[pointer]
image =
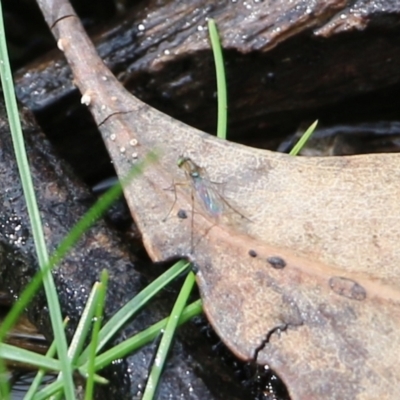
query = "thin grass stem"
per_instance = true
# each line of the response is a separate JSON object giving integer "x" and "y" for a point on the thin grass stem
{"x": 304, "y": 138}
{"x": 167, "y": 337}
{"x": 34, "y": 215}
{"x": 221, "y": 80}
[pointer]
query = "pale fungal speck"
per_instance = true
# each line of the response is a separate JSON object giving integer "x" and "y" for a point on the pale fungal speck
{"x": 86, "y": 99}
{"x": 134, "y": 155}
{"x": 133, "y": 142}
{"x": 112, "y": 136}
{"x": 104, "y": 78}
{"x": 103, "y": 107}
{"x": 60, "y": 44}
{"x": 122, "y": 149}
{"x": 113, "y": 98}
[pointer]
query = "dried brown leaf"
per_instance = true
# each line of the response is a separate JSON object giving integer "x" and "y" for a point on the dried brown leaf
{"x": 308, "y": 281}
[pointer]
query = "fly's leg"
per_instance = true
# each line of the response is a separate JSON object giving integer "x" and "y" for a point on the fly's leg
{"x": 173, "y": 187}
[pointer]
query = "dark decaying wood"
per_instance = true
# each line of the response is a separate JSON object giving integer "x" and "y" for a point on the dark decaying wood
{"x": 286, "y": 62}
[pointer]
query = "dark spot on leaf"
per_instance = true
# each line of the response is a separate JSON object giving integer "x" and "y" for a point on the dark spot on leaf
{"x": 182, "y": 214}
{"x": 277, "y": 262}
{"x": 252, "y": 253}
{"x": 347, "y": 288}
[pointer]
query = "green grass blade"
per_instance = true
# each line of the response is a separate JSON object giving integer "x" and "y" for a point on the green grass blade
{"x": 82, "y": 330}
{"x": 126, "y": 312}
{"x": 95, "y": 336}
{"x": 54, "y": 388}
{"x": 303, "y": 140}
{"x": 12, "y": 353}
{"x": 51, "y": 390}
{"x": 142, "y": 338}
{"x": 221, "y": 80}
{"x": 34, "y": 387}
{"x": 4, "y": 378}
{"x": 33, "y": 211}
{"x": 85, "y": 322}
{"x": 126, "y": 347}
{"x": 168, "y": 335}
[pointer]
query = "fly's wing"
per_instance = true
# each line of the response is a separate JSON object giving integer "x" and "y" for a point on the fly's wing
{"x": 213, "y": 202}
{"x": 209, "y": 197}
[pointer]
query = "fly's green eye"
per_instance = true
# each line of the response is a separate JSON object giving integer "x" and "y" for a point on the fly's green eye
{"x": 182, "y": 160}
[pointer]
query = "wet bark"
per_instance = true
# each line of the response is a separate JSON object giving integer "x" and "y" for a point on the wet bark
{"x": 286, "y": 63}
